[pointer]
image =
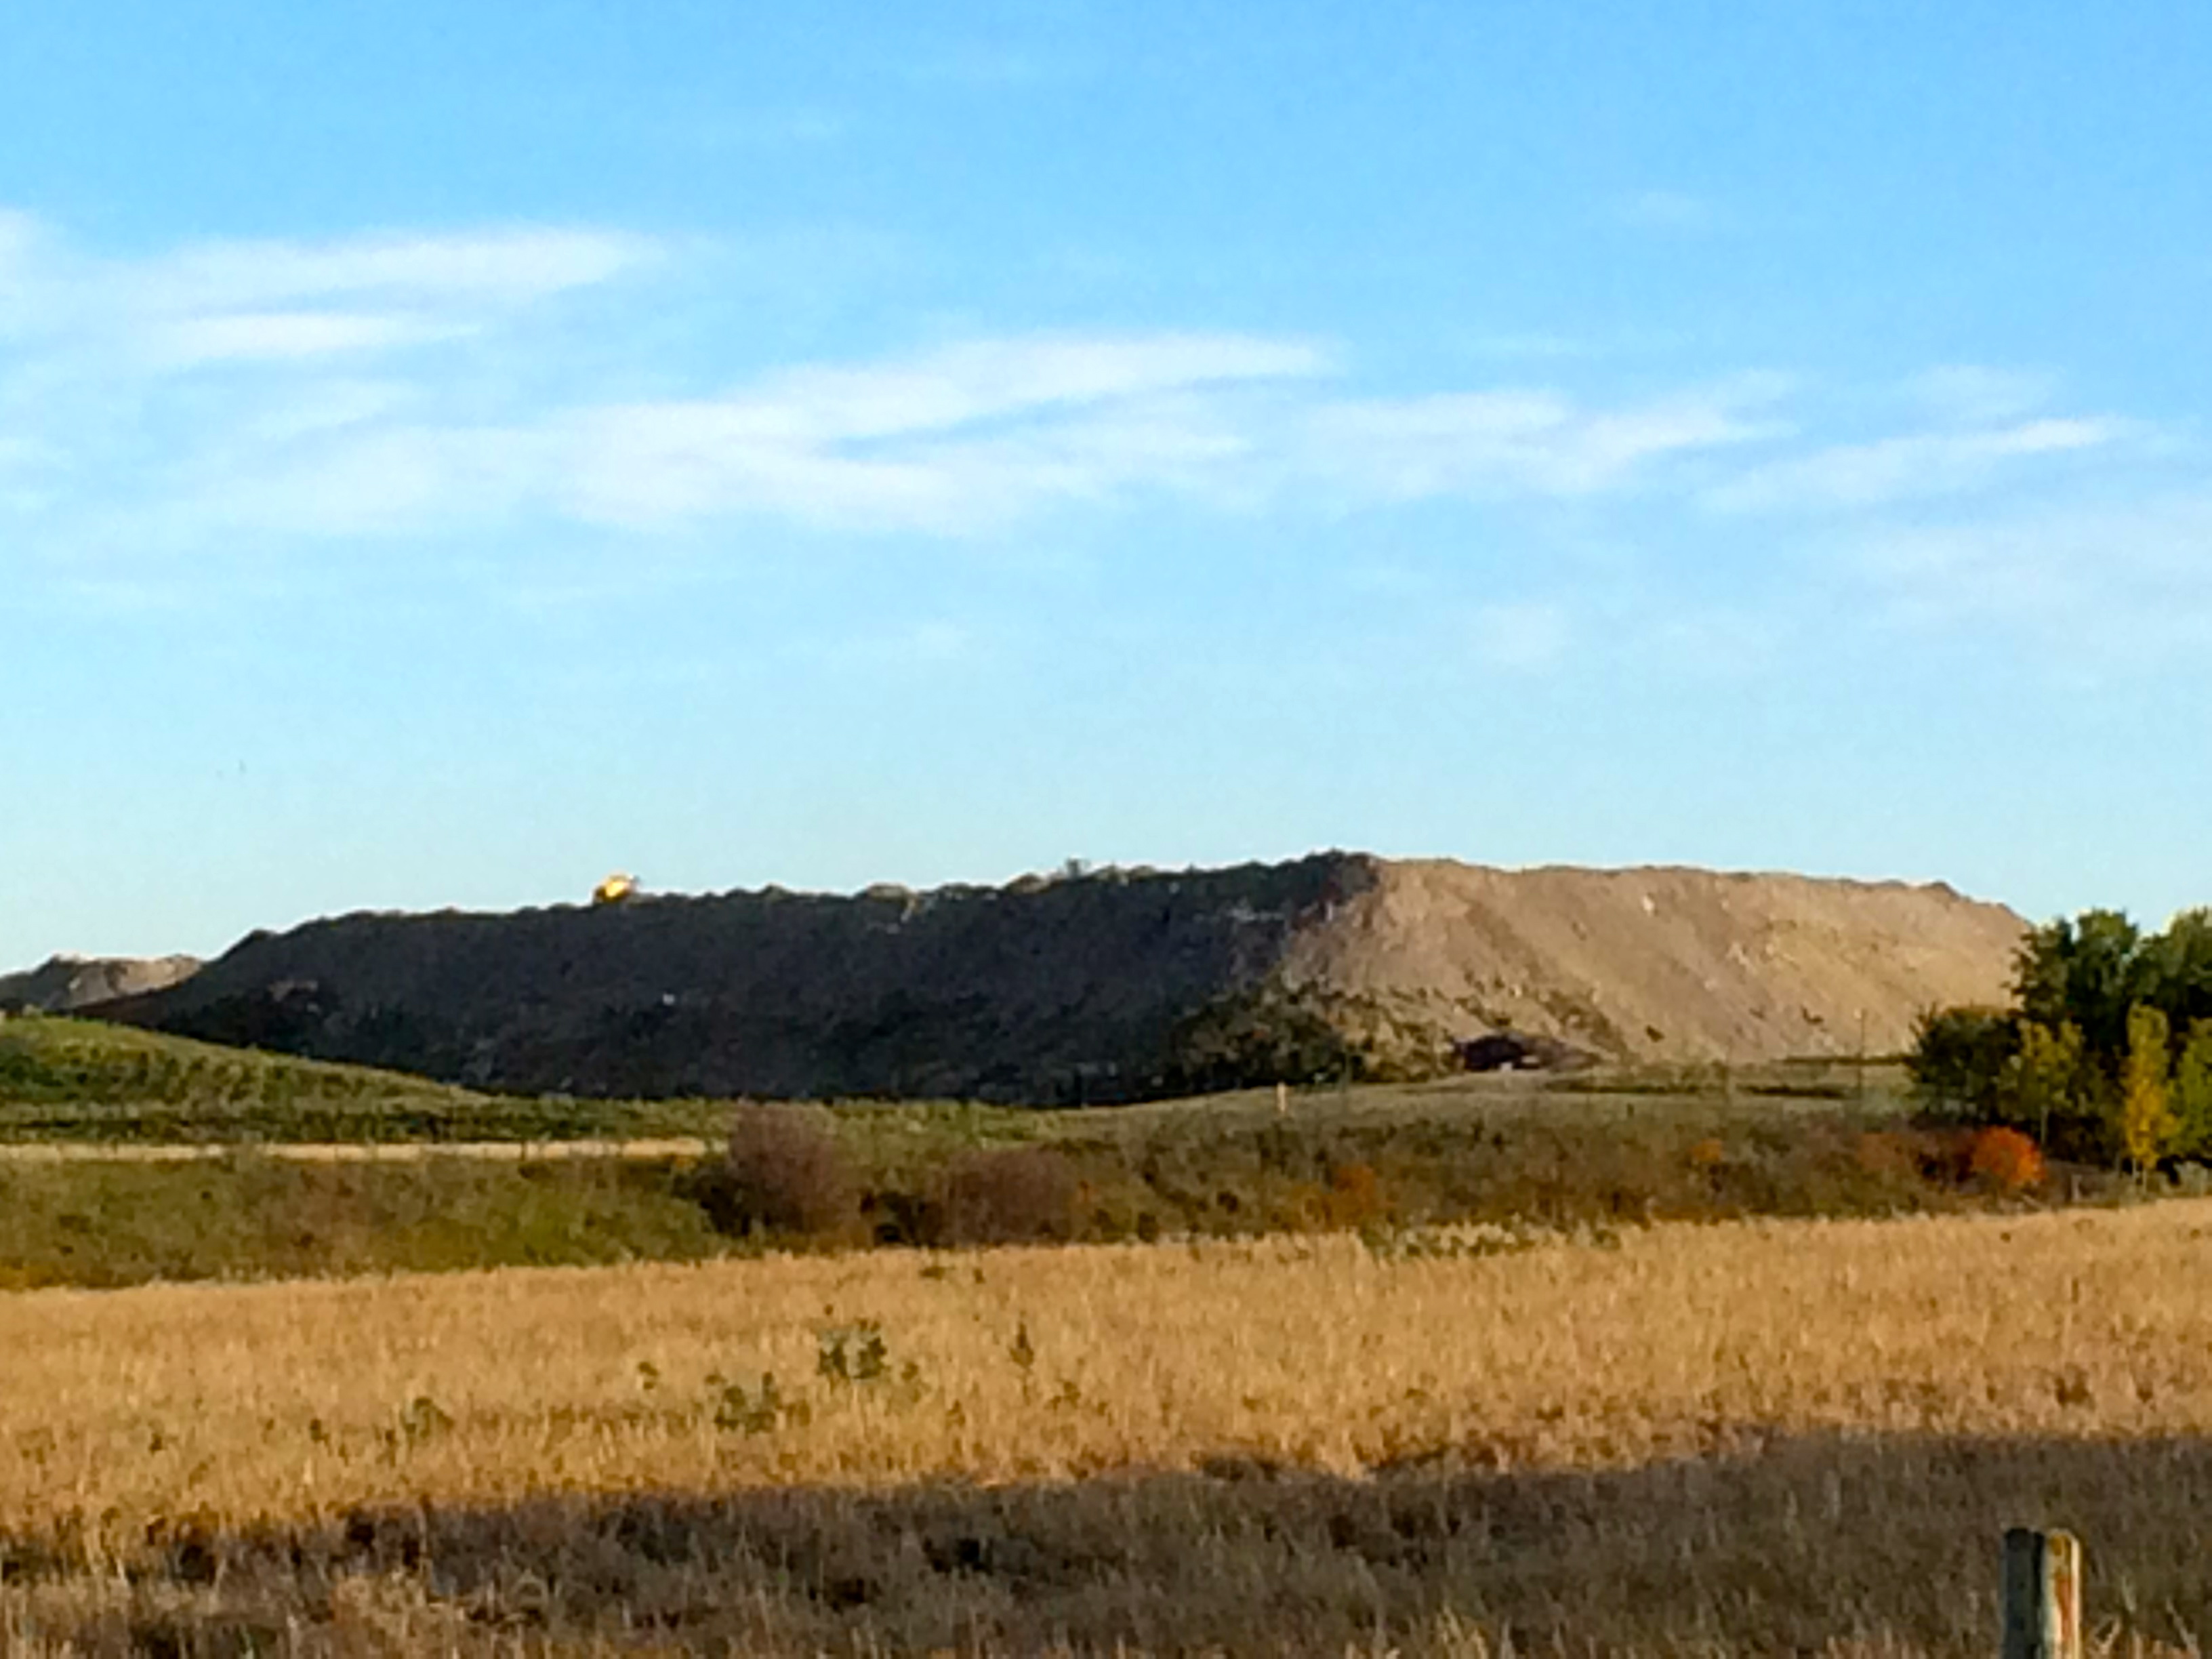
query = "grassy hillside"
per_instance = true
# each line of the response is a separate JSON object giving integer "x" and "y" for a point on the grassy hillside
{"x": 64, "y": 1079}
{"x": 1559, "y": 1154}
{"x": 48, "y": 1059}
{"x": 1390, "y": 1165}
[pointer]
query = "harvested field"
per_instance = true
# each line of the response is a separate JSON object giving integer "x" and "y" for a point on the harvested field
{"x": 1757, "y": 1437}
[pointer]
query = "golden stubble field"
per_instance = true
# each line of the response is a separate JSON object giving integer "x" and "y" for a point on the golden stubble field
{"x": 1743, "y": 1438}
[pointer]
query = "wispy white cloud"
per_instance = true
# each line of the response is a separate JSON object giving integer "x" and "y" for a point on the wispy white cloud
{"x": 931, "y": 643}
{"x": 119, "y": 597}
{"x": 270, "y": 393}
{"x": 375, "y": 479}
{"x": 1707, "y": 640}
{"x": 975, "y": 433}
{"x": 1915, "y": 466}
{"x": 956, "y": 438}
{"x": 982, "y": 66}
{"x": 499, "y": 266}
{"x": 20, "y": 236}
{"x": 1527, "y": 346}
{"x": 148, "y": 401}
{"x": 1523, "y": 636}
{"x": 1975, "y": 395}
{"x": 767, "y": 129}
{"x": 221, "y": 302}
{"x": 1528, "y": 442}
{"x": 984, "y": 380}
{"x": 2128, "y": 582}
{"x": 1675, "y": 210}
{"x": 261, "y": 336}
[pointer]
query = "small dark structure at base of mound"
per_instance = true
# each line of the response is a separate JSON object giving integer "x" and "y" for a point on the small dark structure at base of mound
{"x": 1513, "y": 1051}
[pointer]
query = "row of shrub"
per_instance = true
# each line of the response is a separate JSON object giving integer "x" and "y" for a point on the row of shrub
{"x": 787, "y": 1176}
{"x": 2105, "y": 1053}
{"x": 797, "y": 1177}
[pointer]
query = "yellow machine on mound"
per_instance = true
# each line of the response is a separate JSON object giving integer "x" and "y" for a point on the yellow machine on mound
{"x": 615, "y": 889}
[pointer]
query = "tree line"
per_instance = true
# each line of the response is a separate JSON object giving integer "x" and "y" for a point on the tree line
{"x": 2106, "y": 1053}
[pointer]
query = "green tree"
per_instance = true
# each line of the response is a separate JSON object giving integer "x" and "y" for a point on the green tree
{"x": 2048, "y": 1079}
{"x": 2091, "y": 970}
{"x": 1959, "y": 1060}
{"x": 2178, "y": 969}
{"x": 2147, "y": 1124}
{"x": 2192, "y": 1094}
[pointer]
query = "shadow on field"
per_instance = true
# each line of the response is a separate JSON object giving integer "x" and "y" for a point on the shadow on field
{"x": 1766, "y": 1544}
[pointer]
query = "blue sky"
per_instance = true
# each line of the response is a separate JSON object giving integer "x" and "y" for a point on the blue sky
{"x": 449, "y": 452}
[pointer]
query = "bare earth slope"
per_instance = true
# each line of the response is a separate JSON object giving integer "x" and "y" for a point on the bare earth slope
{"x": 1114, "y": 985}
{"x": 1661, "y": 962}
{"x": 63, "y": 984}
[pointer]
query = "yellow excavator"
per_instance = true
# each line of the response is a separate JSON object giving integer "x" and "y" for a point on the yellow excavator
{"x": 615, "y": 889}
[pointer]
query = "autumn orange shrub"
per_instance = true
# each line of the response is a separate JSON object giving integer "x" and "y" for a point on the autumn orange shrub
{"x": 1352, "y": 1198}
{"x": 2006, "y": 1160}
{"x": 1355, "y": 1195}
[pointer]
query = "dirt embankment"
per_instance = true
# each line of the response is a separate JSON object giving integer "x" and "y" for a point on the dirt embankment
{"x": 1111, "y": 985}
{"x": 63, "y": 984}
{"x": 1661, "y": 963}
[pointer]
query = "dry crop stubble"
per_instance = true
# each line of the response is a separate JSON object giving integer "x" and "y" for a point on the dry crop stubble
{"x": 271, "y": 1402}
{"x": 1261, "y": 1409}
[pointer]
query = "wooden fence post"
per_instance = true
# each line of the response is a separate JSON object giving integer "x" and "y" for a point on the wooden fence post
{"x": 2042, "y": 1595}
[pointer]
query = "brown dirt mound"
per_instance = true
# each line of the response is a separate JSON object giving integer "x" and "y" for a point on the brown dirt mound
{"x": 1660, "y": 964}
{"x": 1112, "y": 985}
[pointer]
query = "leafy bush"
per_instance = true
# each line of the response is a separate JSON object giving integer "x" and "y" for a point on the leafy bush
{"x": 785, "y": 1173}
{"x": 2100, "y": 1055}
{"x": 2006, "y": 1160}
{"x": 2147, "y": 1126}
{"x": 1013, "y": 1195}
{"x": 1259, "y": 1037}
{"x": 1356, "y": 1198}
{"x": 2192, "y": 1093}
{"x": 1959, "y": 1058}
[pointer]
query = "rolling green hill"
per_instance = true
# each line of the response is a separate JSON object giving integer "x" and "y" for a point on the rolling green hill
{"x": 63, "y": 1079}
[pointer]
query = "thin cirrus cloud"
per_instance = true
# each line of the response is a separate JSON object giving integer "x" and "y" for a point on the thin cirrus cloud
{"x": 970, "y": 436}
{"x": 2126, "y": 583}
{"x": 262, "y": 336}
{"x": 311, "y": 388}
{"x": 1521, "y": 635}
{"x": 244, "y": 301}
{"x": 497, "y": 266}
{"x": 1543, "y": 443}
{"x": 954, "y": 438}
{"x": 1671, "y": 210}
{"x": 1976, "y": 395}
{"x": 1915, "y": 466}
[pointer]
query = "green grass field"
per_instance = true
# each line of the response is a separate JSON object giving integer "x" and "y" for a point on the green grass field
{"x": 127, "y": 1157}
{"x": 64, "y": 1080}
